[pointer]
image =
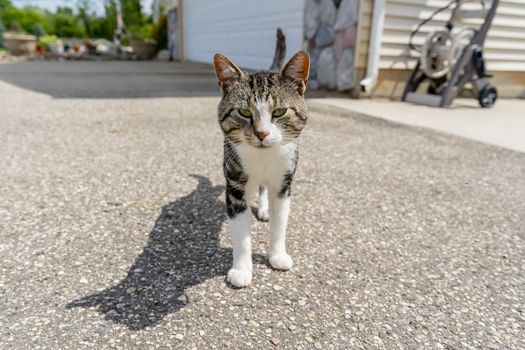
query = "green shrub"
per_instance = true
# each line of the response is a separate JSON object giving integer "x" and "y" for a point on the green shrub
{"x": 67, "y": 25}
{"x": 23, "y": 19}
{"x": 38, "y": 30}
{"x": 142, "y": 32}
{"x": 16, "y": 27}
{"x": 47, "y": 40}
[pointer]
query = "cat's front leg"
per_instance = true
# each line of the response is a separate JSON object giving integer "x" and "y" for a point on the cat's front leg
{"x": 240, "y": 275}
{"x": 262, "y": 212}
{"x": 279, "y": 209}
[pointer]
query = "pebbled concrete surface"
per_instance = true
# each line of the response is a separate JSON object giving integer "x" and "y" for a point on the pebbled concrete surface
{"x": 113, "y": 234}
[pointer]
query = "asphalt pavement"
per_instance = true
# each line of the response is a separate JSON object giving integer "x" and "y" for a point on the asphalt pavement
{"x": 113, "y": 231}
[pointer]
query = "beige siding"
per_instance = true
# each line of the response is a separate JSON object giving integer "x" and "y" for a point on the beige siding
{"x": 504, "y": 47}
{"x": 363, "y": 32}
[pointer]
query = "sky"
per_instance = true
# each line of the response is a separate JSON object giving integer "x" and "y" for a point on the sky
{"x": 52, "y": 4}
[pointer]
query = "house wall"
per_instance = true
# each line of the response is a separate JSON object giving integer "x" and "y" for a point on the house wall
{"x": 244, "y": 30}
{"x": 504, "y": 47}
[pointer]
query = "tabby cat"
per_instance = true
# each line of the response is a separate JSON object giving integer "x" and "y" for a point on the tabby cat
{"x": 261, "y": 116}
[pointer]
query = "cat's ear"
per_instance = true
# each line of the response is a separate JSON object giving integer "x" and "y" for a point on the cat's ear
{"x": 297, "y": 70}
{"x": 226, "y": 71}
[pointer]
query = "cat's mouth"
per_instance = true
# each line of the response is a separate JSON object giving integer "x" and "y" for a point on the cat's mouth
{"x": 261, "y": 144}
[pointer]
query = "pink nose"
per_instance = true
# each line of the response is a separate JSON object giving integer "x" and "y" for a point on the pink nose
{"x": 261, "y": 135}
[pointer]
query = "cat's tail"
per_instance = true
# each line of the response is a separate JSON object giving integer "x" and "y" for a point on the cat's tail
{"x": 280, "y": 51}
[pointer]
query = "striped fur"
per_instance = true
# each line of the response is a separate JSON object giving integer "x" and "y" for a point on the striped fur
{"x": 275, "y": 90}
{"x": 261, "y": 116}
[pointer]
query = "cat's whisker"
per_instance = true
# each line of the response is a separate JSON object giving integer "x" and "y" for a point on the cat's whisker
{"x": 229, "y": 158}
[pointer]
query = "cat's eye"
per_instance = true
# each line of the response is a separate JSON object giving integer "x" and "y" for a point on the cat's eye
{"x": 279, "y": 112}
{"x": 245, "y": 112}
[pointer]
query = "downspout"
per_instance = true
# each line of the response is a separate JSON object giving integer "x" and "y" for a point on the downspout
{"x": 372, "y": 70}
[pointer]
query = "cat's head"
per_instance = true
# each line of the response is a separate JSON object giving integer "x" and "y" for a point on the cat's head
{"x": 263, "y": 109}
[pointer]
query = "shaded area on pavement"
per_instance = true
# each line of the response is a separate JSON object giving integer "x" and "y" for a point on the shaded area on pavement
{"x": 183, "y": 250}
{"x": 112, "y": 79}
{"x": 120, "y": 79}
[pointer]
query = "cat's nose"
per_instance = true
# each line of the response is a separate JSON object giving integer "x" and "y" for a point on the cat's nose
{"x": 261, "y": 135}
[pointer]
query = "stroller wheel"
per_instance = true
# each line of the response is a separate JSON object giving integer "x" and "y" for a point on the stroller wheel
{"x": 487, "y": 96}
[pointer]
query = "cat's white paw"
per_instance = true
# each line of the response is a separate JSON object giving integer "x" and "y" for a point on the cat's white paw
{"x": 263, "y": 214}
{"x": 281, "y": 261}
{"x": 239, "y": 278}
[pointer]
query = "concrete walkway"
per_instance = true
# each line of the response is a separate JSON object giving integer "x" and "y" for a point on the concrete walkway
{"x": 113, "y": 232}
{"x": 503, "y": 125}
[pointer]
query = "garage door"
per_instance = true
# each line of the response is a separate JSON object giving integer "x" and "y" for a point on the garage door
{"x": 244, "y": 30}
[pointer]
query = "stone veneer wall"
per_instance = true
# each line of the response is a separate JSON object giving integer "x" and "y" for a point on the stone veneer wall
{"x": 330, "y": 30}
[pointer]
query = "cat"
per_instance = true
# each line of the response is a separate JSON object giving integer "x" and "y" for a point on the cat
{"x": 261, "y": 116}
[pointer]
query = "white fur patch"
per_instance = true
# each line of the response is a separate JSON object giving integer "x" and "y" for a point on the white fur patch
{"x": 279, "y": 210}
{"x": 240, "y": 275}
{"x": 263, "y": 123}
{"x": 265, "y": 167}
{"x": 262, "y": 212}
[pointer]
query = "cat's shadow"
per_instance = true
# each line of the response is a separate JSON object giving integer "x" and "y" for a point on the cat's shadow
{"x": 183, "y": 250}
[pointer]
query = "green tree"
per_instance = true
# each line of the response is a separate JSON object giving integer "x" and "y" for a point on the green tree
{"x": 14, "y": 26}
{"x": 66, "y": 24}
{"x": 99, "y": 28}
{"x": 85, "y": 13}
{"x": 65, "y": 9}
{"x": 4, "y": 5}
{"x": 80, "y": 21}
{"x": 106, "y": 26}
{"x": 27, "y": 17}
{"x": 131, "y": 13}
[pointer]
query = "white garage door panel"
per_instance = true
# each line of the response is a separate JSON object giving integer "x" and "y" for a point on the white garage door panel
{"x": 244, "y": 30}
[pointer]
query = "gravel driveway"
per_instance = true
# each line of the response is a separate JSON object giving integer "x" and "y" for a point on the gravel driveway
{"x": 113, "y": 233}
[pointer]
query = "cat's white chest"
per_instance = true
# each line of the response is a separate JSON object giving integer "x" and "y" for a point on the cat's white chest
{"x": 266, "y": 167}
